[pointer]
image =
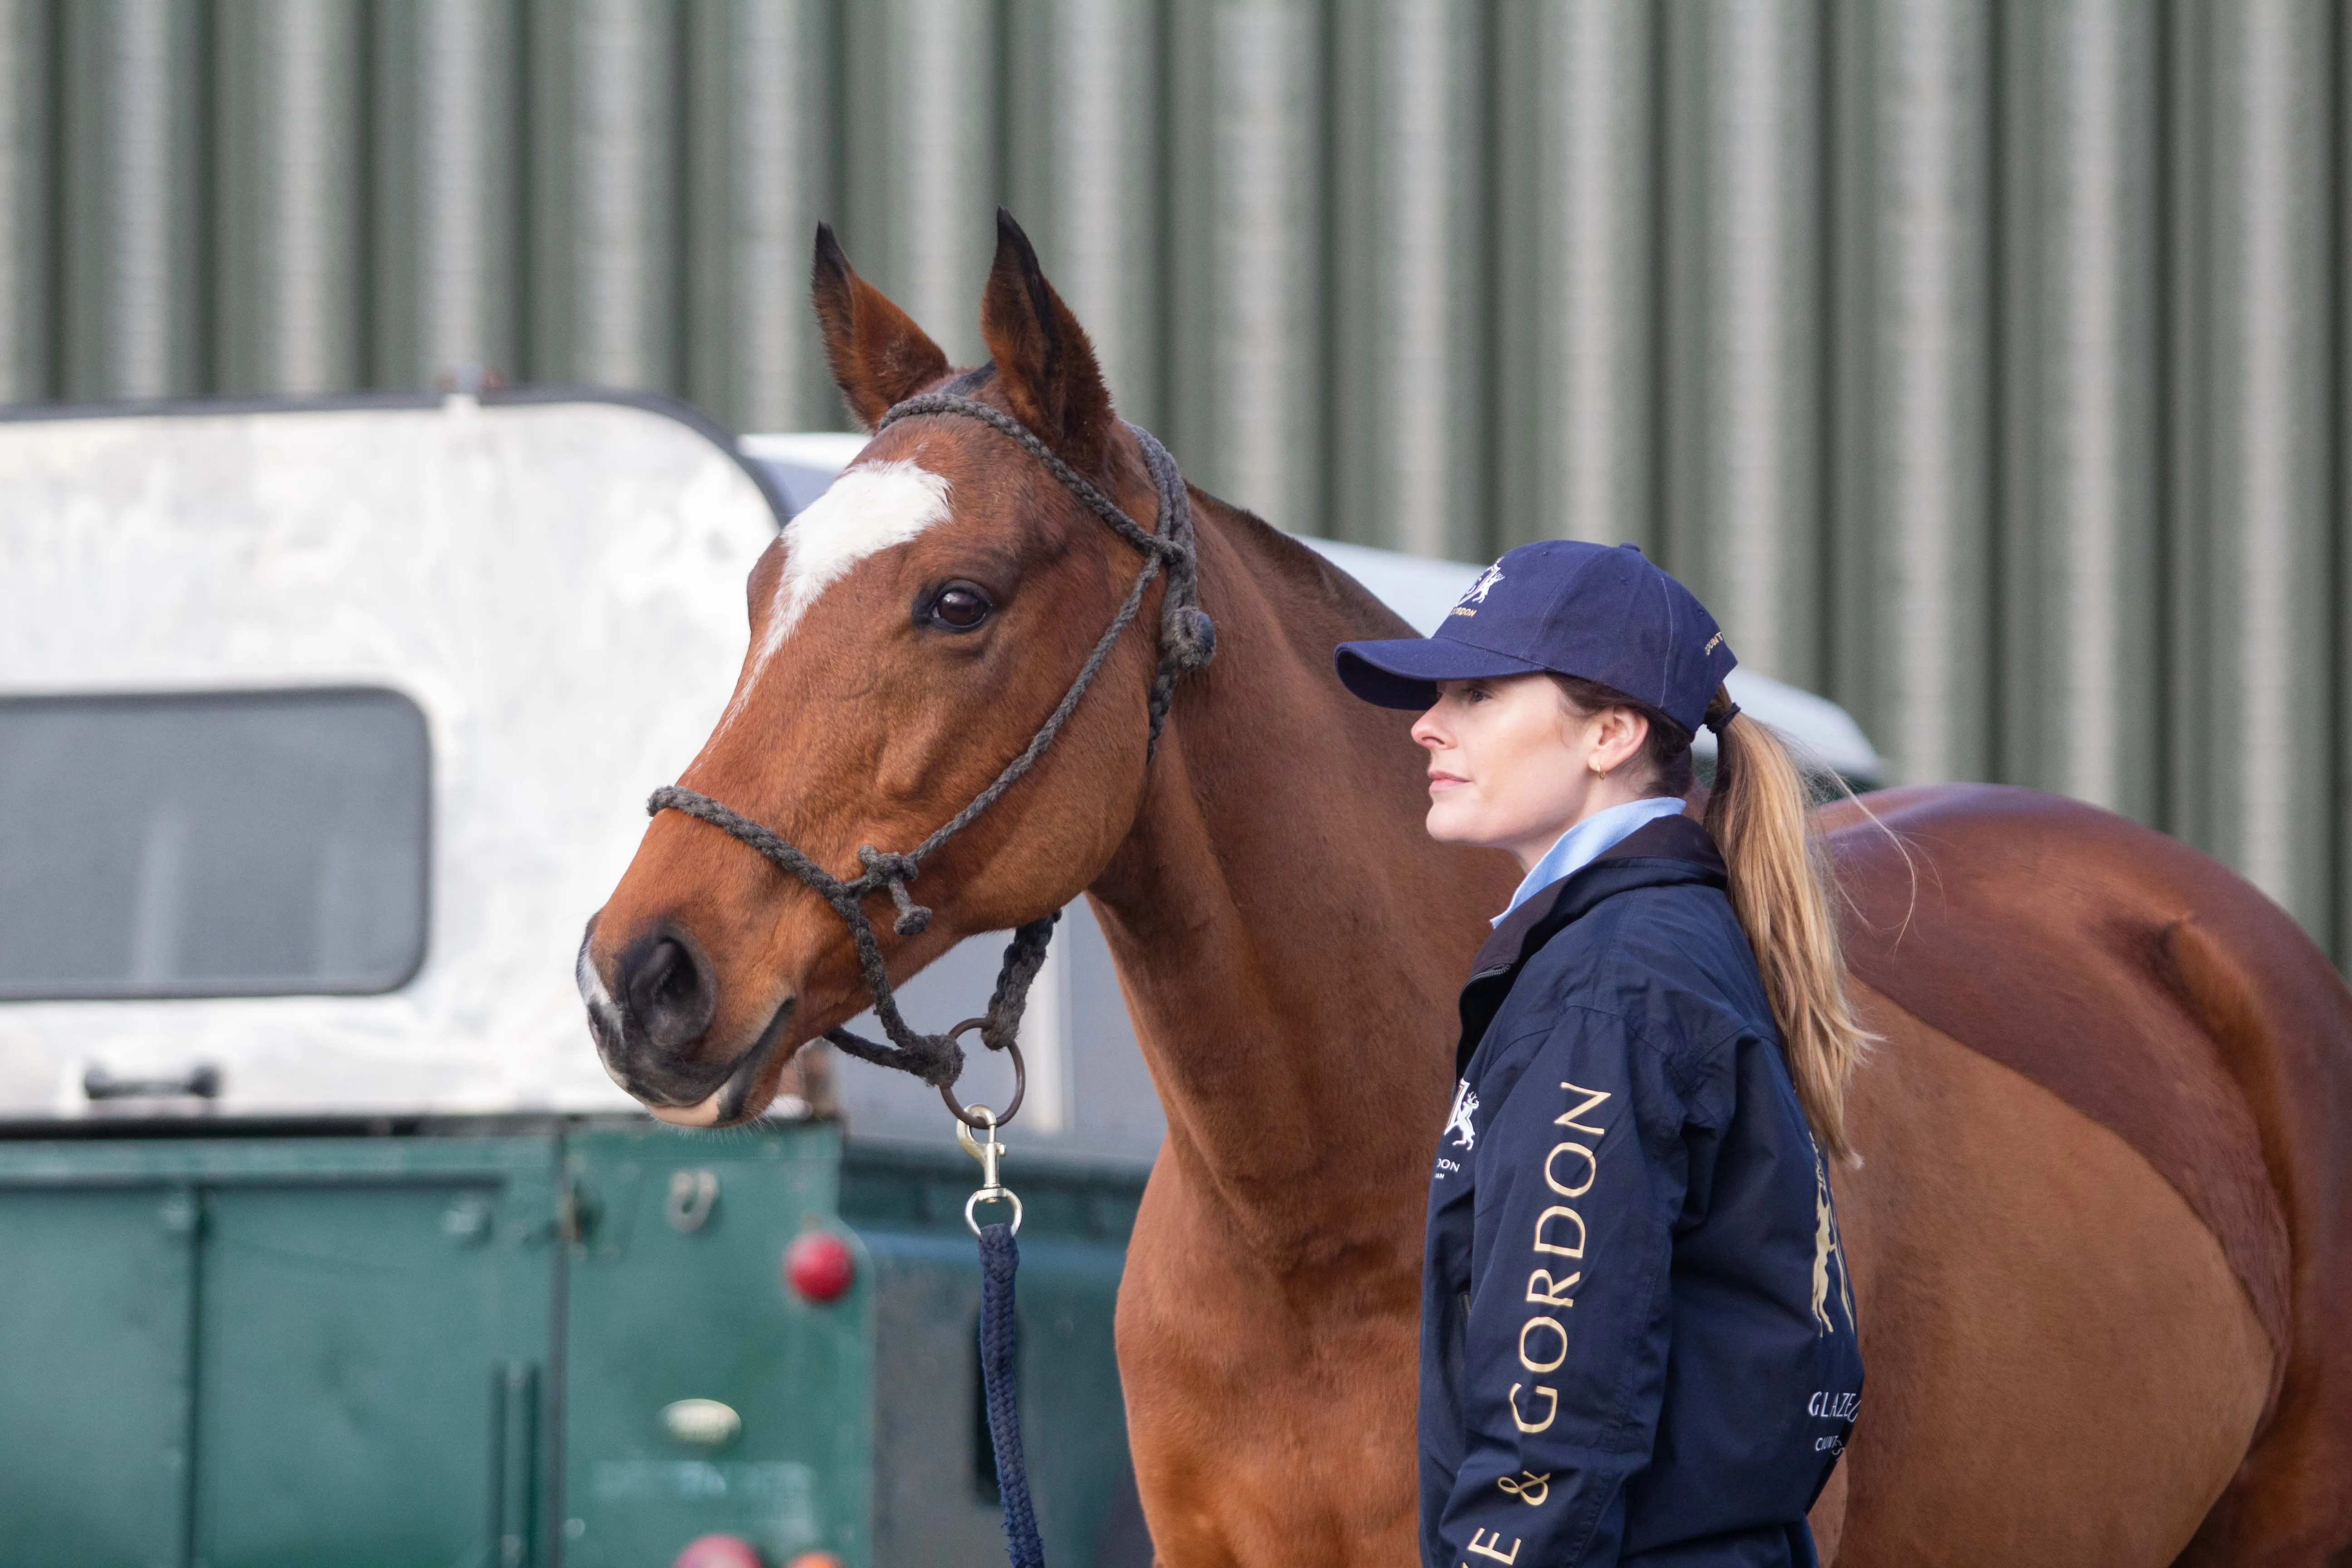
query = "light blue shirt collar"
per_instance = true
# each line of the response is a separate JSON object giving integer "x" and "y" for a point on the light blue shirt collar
{"x": 1587, "y": 842}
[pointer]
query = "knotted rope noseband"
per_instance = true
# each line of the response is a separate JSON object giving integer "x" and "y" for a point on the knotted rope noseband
{"x": 1188, "y": 640}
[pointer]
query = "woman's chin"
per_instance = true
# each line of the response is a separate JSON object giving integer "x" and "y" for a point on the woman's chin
{"x": 1448, "y": 825}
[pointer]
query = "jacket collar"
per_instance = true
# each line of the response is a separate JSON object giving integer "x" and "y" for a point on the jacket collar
{"x": 1671, "y": 850}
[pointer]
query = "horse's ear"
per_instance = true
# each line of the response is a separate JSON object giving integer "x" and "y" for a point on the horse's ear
{"x": 878, "y": 356}
{"x": 1043, "y": 363}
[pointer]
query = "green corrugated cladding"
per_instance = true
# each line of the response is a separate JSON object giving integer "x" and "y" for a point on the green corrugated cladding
{"x": 1980, "y": 361}
{"x": 259, "y": 1352}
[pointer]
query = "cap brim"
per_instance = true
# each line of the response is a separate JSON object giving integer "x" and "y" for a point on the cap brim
{"x": 1403, "y": 672}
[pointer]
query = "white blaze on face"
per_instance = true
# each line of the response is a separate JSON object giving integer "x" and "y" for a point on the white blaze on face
{"x": 869, "y": 508}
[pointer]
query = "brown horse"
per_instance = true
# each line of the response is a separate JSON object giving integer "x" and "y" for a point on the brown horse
{"x": 2102, "y": 1239}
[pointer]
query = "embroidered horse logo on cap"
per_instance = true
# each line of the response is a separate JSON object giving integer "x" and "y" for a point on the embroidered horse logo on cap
{"x": 1484, "y": 585}
{"x": 1458, "y": 1124}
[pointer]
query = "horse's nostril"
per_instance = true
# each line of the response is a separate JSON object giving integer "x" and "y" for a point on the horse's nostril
{"x": 670, "y": 994}
{"x": 673, "y": 983}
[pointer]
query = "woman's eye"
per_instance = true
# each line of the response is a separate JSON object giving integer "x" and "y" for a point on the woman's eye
{"x": 959, "y": 607}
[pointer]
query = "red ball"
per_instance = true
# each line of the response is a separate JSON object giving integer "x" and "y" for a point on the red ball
{"x": 818, "y": 1264}
{"x": 718, "y": 1551}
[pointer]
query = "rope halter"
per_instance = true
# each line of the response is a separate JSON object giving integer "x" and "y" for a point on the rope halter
{"x": 1188, "y": 641}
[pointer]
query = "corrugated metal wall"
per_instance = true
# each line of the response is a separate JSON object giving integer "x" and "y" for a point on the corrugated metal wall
{"x": 1980, "y": 361}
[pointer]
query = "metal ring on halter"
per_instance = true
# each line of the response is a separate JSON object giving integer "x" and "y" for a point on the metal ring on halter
{"x": 1020, "y": 1083}
{"x": 999, "y": 1195}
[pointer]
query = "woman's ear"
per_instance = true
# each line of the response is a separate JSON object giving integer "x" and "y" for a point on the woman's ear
{"x": 1618, "y": 736}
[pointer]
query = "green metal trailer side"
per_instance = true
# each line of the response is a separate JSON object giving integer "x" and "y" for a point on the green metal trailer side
{"x": 459, "y": 1342}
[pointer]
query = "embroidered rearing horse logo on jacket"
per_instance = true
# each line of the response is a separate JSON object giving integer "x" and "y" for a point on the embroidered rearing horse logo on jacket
{"x": 1458, "y": 1125}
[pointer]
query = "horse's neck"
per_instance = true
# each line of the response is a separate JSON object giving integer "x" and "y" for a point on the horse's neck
{"x": 1289, "y": 938}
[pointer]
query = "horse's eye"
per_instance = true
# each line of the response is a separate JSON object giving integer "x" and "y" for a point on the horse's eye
{"x": 958, "y": 607}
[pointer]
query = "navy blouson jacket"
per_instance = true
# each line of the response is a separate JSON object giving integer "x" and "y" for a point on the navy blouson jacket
{"x": 1638, "y": 1340}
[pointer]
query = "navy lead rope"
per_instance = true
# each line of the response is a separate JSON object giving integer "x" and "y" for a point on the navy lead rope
{"x": 1000, "y": 1255}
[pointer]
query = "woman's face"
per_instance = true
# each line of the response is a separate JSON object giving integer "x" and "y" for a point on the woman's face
{"x": 1512, "y": 766}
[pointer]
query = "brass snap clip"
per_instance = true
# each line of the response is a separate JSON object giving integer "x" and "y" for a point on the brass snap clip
{"x": 992, "y": 1189}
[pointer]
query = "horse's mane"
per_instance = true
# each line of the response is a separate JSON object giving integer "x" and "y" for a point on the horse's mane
{"x": 1325, "y": 605}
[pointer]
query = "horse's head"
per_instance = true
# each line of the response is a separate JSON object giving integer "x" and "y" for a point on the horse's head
{"x": 909, "y": 632}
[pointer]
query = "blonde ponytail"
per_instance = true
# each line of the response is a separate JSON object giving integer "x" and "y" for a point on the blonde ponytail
{"x": 1758, "y": 816}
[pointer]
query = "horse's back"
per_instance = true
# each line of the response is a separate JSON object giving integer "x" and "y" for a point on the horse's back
{"x": 2163, "y": 997}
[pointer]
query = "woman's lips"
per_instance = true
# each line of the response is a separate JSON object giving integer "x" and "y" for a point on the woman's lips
{"x": 1440, "y": 782}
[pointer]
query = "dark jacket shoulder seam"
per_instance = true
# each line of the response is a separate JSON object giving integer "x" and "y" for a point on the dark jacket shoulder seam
{"x": 1683, "y": 1076}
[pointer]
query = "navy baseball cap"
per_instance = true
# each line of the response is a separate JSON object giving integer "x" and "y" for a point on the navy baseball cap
{"x": 1564, "y": 607}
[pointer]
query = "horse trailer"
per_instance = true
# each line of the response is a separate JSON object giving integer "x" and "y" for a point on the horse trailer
{"x": 322, "y": 728}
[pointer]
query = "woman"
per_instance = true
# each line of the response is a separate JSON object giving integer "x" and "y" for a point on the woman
{"x": 1637, "y": 1338}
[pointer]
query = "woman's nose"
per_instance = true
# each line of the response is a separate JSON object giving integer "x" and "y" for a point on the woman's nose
{"x": 1425, "y": 730}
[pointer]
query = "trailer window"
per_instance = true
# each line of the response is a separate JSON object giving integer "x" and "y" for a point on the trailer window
{"x": 212, "y": 844}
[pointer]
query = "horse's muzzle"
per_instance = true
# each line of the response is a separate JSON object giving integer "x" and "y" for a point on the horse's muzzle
{"x": 648, "y": 1024}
